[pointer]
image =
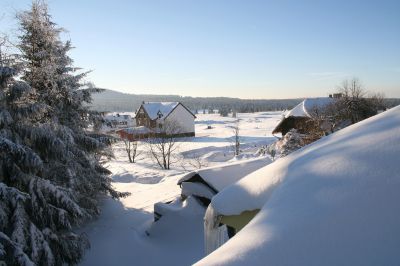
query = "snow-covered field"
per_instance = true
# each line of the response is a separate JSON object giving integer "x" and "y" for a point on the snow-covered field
{"x": 125, "y": 233}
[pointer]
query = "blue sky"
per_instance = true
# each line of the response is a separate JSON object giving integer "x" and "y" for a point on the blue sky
{"x": 246, "y": 49}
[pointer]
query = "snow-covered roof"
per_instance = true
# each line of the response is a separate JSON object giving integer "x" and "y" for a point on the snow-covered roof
{"x": 334, "y": 202}
{"x": 308, "y": 106}
{"x": 220, "y": 177}
{"x": 118, "y": 116}
{"x": 154, "y": 108}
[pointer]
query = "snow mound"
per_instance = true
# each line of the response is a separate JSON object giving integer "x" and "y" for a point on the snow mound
{"x": 221, "y": 176}
{"x": 334, "y": 202}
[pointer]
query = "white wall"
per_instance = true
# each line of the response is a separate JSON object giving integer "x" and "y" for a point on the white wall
{"x": 183, "y": 117}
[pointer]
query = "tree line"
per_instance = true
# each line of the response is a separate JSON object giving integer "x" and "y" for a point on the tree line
{"x": 114, "y": 101}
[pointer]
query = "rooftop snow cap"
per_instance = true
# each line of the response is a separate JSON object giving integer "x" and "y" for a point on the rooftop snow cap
{"x": 219, "y": 177}
{"x": 307, "y": 107}
{"x": 159, "y": 109}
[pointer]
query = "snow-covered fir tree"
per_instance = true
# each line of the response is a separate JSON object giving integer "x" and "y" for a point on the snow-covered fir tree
{"x": 50, "y": 174}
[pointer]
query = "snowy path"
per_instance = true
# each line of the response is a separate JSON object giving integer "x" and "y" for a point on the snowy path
{"x": 125, "y": 233}
{"x": 119, "y": 236}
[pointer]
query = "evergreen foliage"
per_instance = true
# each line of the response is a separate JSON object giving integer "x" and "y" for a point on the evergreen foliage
{"x": 51, "y": 175}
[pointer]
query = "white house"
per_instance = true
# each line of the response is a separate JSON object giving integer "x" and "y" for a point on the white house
{"x": 158, "y": 116}
{"x": 118, "y": 120}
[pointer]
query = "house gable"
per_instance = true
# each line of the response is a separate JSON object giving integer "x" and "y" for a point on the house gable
{"x": 181, "y": 116}
{"x": 180, "y": 104}
{"x": 143, "y": 118}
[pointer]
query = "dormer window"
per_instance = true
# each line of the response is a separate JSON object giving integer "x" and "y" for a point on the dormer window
{"x": 159, "y": 114}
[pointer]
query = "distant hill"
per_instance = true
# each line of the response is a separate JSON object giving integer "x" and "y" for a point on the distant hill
{"x": 114, "y": 101}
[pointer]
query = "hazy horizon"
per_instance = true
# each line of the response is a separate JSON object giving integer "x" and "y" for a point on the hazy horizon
{"x": 178, "y": 95}
{"x": 247, "y": 50}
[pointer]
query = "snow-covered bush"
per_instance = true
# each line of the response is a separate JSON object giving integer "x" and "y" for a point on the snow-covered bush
{"x": 291, "y": 142}
{"x": 262, "y": 150}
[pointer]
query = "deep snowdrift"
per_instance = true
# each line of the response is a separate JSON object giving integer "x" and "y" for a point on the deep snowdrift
{"x": 219, "y": 177}
{"x": 335, "y": 202}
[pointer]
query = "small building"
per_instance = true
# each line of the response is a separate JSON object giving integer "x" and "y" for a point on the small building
{"x": 301, "y": 116}
{"x": 203, "y": 184}
{"x": 156, "y": 116}
{"x": 118, "y": 120}
{"x": 135, "y": 133}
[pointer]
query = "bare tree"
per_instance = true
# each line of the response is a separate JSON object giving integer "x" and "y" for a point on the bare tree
{"x": 6, "y": 55}
{"x": 131, "y": 148}
{"x": 352, "y": 88}
{"x": 235, "y": 139}
{"x": 378, "y": 101}
{"x": 193, "y": 161}
{"x": 355, "y": 104}
{"x": 162, "y": 146}
{"x": 319, "y": 125}
{"x": 351, "y": 104}
{"x": 2, "y": 43}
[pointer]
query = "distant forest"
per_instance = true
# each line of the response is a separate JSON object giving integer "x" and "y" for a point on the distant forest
{"x": 114, "y": 101}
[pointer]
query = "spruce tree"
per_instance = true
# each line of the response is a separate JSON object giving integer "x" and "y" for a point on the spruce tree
{"x": 50, "y": 174}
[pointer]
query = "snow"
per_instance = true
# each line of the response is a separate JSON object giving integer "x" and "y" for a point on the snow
{"x": 137, "y": 130}
{"x": 119, "y": 116}
{"x": 306, "y": 107}
{"x": 117, "y": 120}
{"x": 220, "y": 177}
{"x": 253, "y": 190}
{"x": 334, "y": 202}
{"x": 152, "y": 108}
{"x": 125, "y": 234}
{"x": 215, "y": 235}
{"x": 197, "y": 189}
